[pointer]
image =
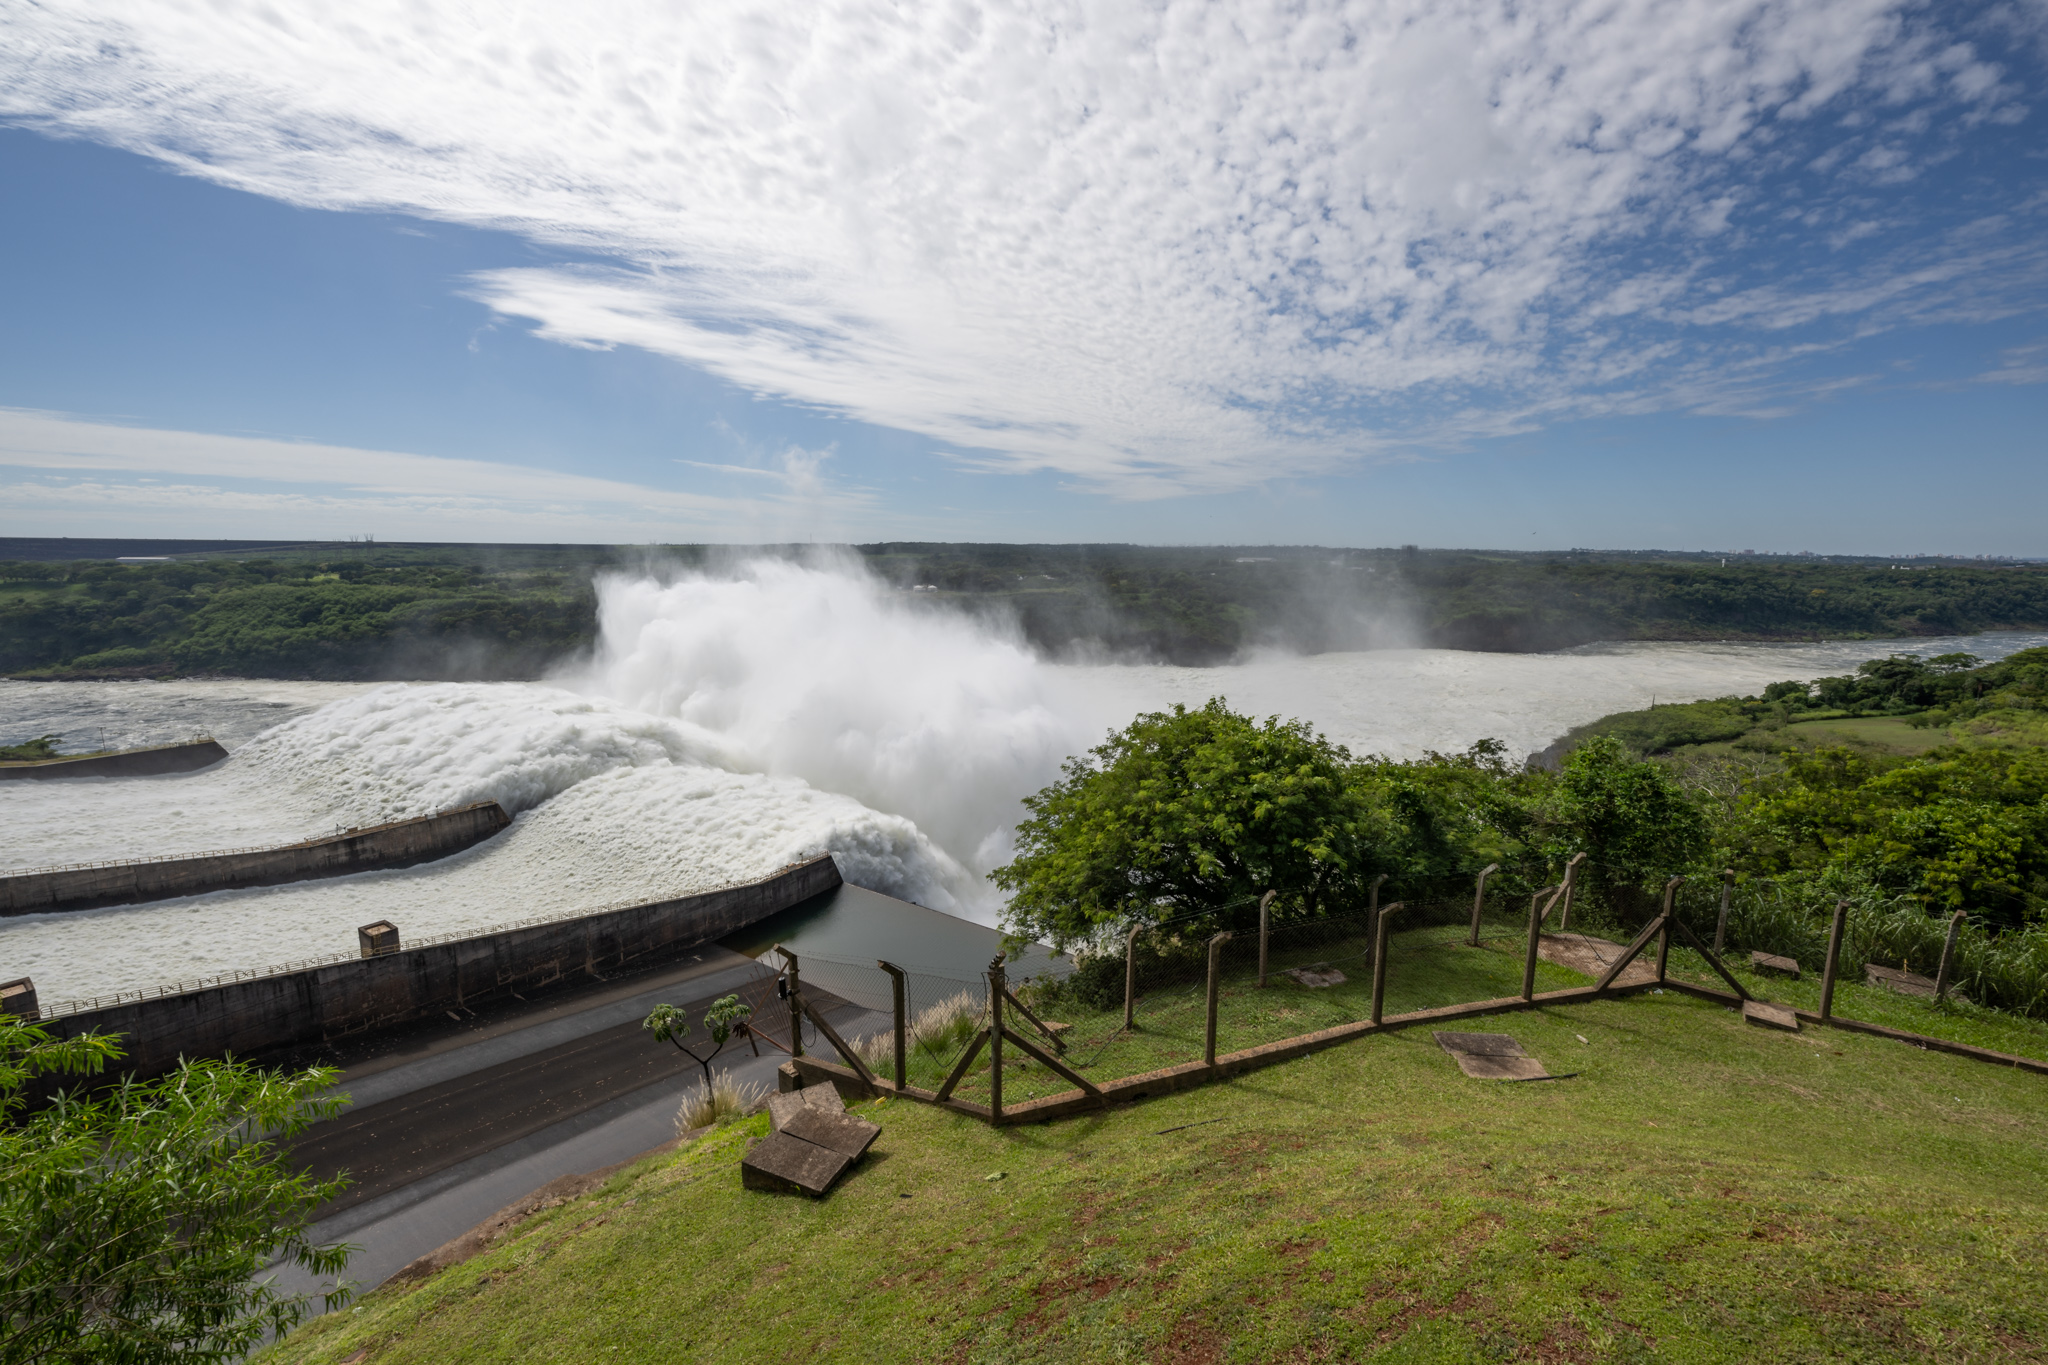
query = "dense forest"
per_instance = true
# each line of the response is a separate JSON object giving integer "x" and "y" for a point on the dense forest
{"x": 456, "y": 611}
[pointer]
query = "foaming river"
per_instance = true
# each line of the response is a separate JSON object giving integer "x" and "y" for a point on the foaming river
{"x": 726, "y": 726}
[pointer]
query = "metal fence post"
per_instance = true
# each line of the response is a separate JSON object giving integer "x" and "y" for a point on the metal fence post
{"x": 1727, "y": 894}
{"x": 1479, "y": 900}
{"x": 1571, "y": 887}
{"x": 1948, "y": 955}
{"x": 1265, "y": 929}
{"x": 997, "y": 983}
{"x": 1664, "y": 939}
{"x": 1379, "y": 961}
{"x": 1215, "y": 979}
{"x": 896, "y": 998}
{"x": 1131, "y": 977}
{"x": 1827, "y": 975}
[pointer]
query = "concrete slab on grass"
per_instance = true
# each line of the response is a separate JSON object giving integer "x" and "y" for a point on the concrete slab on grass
{"x": 1479, "y": 1044}
{"x": 1771, "y": 962}
{"x": 842, "y": 1133}
{"x": 1765, "y": 1015}
{"x": 1906, "y": 983}
{"x": 786, "y": 1106}
{"x": 1317, "y": 977}
{"x": 1492, "y": 1067}
{"x": 788, "y": 1165}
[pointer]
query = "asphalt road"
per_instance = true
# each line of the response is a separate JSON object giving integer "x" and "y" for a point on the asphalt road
{"x": 437, "y": 1140}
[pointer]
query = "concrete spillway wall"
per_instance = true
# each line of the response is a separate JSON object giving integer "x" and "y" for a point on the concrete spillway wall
{"x": 398, "y": 844}
{"x": 296, "y": 1009}
{"x": 164, "y": 758}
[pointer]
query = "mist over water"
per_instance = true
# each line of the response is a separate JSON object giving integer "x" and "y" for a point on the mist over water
{"x": 729, "y": 722}
{"x": 822, "y": 673}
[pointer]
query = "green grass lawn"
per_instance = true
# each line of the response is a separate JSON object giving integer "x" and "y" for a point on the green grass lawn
{"x": 1703, "y": 1190}
{"x": 1952, "y": 1020}
{"x": 1425, "y": 968}
{"x": 1889, "y": 733}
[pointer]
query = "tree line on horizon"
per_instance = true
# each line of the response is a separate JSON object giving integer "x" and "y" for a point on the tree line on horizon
{"x": 510, "y": 612}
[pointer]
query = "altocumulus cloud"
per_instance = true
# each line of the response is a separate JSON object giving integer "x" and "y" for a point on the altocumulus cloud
{"x": 1161, "y": 247}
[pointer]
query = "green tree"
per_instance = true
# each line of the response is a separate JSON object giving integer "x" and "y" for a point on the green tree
{"x": 135, "y": 1220}
{"x": 1631, "y": 820}
{"x": 672, "y": 1025}
{"x": 1186, "y": 812}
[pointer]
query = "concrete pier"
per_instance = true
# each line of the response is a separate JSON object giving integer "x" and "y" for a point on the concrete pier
{"x": 161, "y": 758}
{"x": 398, "y": 844}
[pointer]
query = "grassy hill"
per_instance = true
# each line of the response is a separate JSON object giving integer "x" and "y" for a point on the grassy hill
{"x": 1700, "y": 1191}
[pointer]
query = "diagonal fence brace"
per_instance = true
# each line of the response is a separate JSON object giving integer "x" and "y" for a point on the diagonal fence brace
{"x": 1053, "y": 1064}
{"x": 960, "y": 1067}
{"x": 1713, "y": 959}
{"x": 1650, "y": 931}
{"x": 1058, "y": 1044}
{"x": 845, "y": 1050}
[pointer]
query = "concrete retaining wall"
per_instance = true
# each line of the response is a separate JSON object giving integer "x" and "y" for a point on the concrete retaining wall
{"x": 164, "y": 758}
{"x": 270, "y": 1014}
{"x": 398, "y": 844}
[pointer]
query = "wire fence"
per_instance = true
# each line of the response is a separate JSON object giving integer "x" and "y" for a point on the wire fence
{"x": 1138, "y": 1002}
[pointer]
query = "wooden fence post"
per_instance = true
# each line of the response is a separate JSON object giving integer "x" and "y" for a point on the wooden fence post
{"x": 1372, "y": 911}
{"x": 1664, "y": 938}
{"x": 1215, "y": 978}
{"x": 1571, "y": 885}
{"x": 997, "y": 985}
{"x": 794, "y": 994}
{"x": 1827, "y": 975}
{"x": 1479, "y": 900}
{"x": 1265, "y": 929}
{"x": 1131, "y": 977}
{"x": 1727, "y": 895}
{"x": 1379, "y": 961}
{"x": 1948, "y": 955}
{"x": 1535, "y": 938}
{"x": 896, "y": 998}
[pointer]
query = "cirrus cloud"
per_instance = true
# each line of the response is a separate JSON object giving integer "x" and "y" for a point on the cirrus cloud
{"x": 1182, "y": 246}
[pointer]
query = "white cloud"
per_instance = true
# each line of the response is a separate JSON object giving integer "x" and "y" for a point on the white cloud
{"x": 111, "y": 474}
{"x": 1157, "y": 248}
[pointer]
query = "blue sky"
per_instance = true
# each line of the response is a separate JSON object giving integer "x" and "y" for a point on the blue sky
{"x": 1764, "y": 276}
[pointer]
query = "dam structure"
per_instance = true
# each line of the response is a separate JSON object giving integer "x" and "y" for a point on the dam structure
{"x": 398, "y": 843}
{"x": 150, "y": 762}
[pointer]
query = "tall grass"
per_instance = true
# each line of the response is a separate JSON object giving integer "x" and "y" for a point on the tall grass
{"x": 724, "y": 1100}
{"x": 936, "y": 1033}
{"x": 2007, "y": 970}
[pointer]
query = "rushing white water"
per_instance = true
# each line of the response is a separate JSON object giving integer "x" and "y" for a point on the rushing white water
{"x": 728, "y": 724}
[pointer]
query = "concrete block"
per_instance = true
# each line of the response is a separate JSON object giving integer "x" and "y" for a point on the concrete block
{"x": 1771, "y": 962}
{"x": 1317, "y": 977}
{"x": 1905, "y": 983}
{"x": 783, "y": 1164}
{"x": 842, "y": 1132}
{"x": 1483, "y": 1066}
{"x": 1478, "y": 1044}
{"x": 378, "y": 939}
{"x": 1769, "y": 1016}
{"x": 18, "y": 998}
{"x": 786, "y": 1106}
{"x": 787, "y": 1079}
